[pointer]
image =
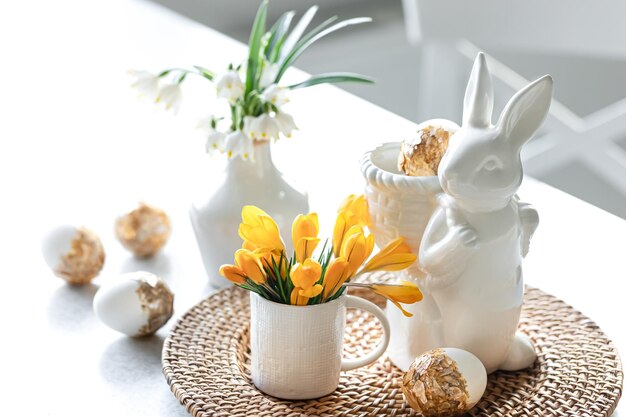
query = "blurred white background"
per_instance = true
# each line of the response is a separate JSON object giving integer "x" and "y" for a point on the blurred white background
{"x": 583, "y": 148}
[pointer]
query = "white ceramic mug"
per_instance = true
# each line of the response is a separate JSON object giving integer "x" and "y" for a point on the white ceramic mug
{"x": 296, "y": 350}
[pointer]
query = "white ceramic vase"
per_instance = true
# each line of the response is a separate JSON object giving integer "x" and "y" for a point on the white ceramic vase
{"x": 296, "y": 350}
{"x": 216, "y": 217}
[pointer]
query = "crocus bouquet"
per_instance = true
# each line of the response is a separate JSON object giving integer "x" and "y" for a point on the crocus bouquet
{"x": 262, "y": 265}
{"x": 253, "y": 89}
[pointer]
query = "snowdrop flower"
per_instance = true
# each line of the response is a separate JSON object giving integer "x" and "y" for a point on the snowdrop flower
{"x": 215, "y": 141}
{"x": 285, "y": 123}
{"x": 229, "y": 86}
{"x": 264, "y": 127}
{"x": 275, "y": 95}
{"x": 269, "y": 74}
{"x": 248, "y": 122}
{"x": 237, "y": 143}
{"x": 146, "y": 83}
{"x": 171, "y": 96}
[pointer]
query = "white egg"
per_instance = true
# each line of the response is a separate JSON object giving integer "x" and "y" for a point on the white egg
{"x": 136, "y": 304}
{"x": 73, "y": 253}
{"x": 444, "y": 382}
{"x": 57, "y": 243}
{"x": 472, "y": 370}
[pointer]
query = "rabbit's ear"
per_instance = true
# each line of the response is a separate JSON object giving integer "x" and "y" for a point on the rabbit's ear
{"x": 526, "y": 111}
{"x": 478, "y": 102}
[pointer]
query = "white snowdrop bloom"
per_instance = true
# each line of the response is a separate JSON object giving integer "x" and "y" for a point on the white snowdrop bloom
{"x": 238, "y": 144}
{"x": 146, "y": 83}
{"x": 286, "y": 123}
{"x": 264, "y": 127}
{"x": 229, "y": 86}
{"x": 275, "y": 95}
{"x": 269, "y": 74}
{"x": 248, "y": 122}
{"x": 171, "y": 96}
{"x": 215, "y": 141}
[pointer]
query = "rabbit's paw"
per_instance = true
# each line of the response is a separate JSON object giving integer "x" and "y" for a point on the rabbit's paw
{"x": 467, "y": 236}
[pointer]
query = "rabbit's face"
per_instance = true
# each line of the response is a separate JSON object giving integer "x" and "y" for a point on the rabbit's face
{"x": 480, "y": 167}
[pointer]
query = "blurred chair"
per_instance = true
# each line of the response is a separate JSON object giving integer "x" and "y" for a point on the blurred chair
{"x": 451, "y": 32}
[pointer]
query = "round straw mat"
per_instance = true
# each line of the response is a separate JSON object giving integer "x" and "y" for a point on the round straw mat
{"x": 206, "y": 361}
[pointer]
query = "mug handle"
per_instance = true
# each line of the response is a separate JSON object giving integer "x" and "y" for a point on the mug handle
{"x": 360, "y": 303}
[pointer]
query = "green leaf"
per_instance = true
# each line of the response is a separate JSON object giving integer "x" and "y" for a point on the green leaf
{"x": 314, "y": 32}
{"x": 332, "y": 78}
{"x": 308, "y": 41}
{"x": 256, "y": 34}
{"x": 278, "y": 31}
{"x": 297, "y": 31}
{"x": 209, "y": 75}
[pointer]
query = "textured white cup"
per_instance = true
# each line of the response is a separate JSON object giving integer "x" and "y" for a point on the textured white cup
{"x": 296, "y": 350}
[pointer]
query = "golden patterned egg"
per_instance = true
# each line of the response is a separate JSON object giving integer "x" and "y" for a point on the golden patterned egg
{"x": 444, "y": 382}
{"x": 136, "y": 304}
{"x": 421, "y": 154}
{"x": 73, "y": 253}
{"x": 144, "y": 230}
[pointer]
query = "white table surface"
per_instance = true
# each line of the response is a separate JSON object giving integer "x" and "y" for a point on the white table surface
{"x": 77, "y": 146}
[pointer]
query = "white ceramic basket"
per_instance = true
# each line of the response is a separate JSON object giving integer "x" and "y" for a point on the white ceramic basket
{"x": 401, "y": 205}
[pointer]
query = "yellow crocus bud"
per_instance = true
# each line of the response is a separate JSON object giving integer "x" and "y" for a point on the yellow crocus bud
{"x": 259, "y": 229}
{"x": 356, "y": 248}
{"x": 304, "y": 235}
{"x": 250, "y": 264}
{"x": 233, "y": 273}
{"x": 393, "y": 257}
{"x": 405, "y": 292}
{"x": 335, "y": 276}
{"x": 305, "y": 275}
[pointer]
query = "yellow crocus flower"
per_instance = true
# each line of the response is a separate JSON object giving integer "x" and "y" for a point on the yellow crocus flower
{"x": 339, "y": 231}
{"x": 393, "y": 257}
{"x": 335, "y": 276}
{"x": 305, "y": 226}
{"x": 259, "y": 229}
{"x": 358, "y": 209}
{"x": 250, "y": 264}
{"x": 250, "y": 215}
{"x": 300, "y": 297}
{"x": 305, "y": 275}
{"x": 248, "y": 245}
{"x": 314, "y": 291}
{"x": 233, "y": 273}
{"x": 356, "y": 248}
{"x": 304, "y": 235}
{"x": 405, "y": 292}
{"x": 352, "y": 211}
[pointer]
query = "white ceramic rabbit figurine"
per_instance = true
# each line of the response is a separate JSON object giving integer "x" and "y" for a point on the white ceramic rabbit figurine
{"x": 473, "y": 245}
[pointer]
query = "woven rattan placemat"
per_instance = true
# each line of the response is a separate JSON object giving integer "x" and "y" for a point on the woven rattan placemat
{"x": 206, "y": 361}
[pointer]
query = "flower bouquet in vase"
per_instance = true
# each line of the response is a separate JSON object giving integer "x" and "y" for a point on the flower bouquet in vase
{"x": 256, "y": 95}
{"x": 298, "y": 302}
